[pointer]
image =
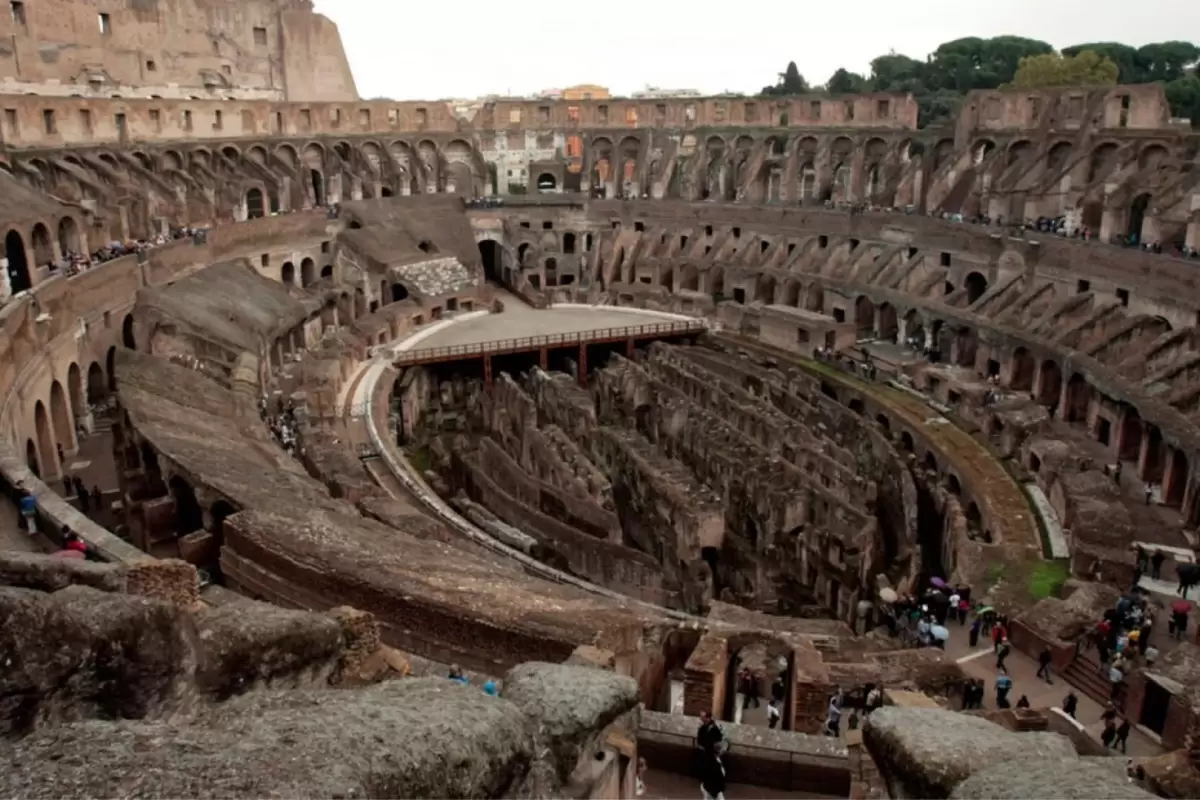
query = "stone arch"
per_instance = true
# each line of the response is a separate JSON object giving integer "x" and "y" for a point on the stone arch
{"x": 568, "y": 244}
{"x": 791, "y": 294}
{"x": 546, "y": 183}
{"x": 231, "y": 153}
{"x": 19, "y": 275}
{"x": 942, "y": 151}
{"x": 60, "y": 417}
{"x": 31, "y": 458}
{"x": 1049, "y": 383}
{"x": 1137, "y": 215}
{"x": 68, "y": 236}
{"x": 255, "y": 207}
{"x": 864, "y": 317}
{"x": 977, "y": 286}
{"x": 1129, "y": 443}
{"x": 327, "y": 271}
{"x": 889, "y": 325}
{"x": 1176, "y": 479}
{"x": 689, "y": 278}
{"x": 97, "y": 388}
{"x": 127, "y": 335}
{"x": 1017, "y": 151}
{"x": 43, "y": 249}
{"x": 492, "y": 256}
{"x": 1079, "y": 397}
{"x": 75, "y": 394}
{"x": 1152, "y": 157}
{"x": 110, "y": 366}
{"x": 764, "y": 289}
{"x": 906, "y": 441}
{"x": 257, "y": 154}
{"x": 522, "y": 252}
{"x": 170, "y": 160}
{"x": 188, "y": 515}
{"x": 287, "y": 273}
{"x": 914, "y": 330}
{"x": 47, "y": 456}
{"x": 1023, "y": 368}
{"x": 307, "y": 272}
{"x": 1056, "y": 158}
{"x": 1102, "y": 161}
{"x": 288, "y": 155}
{"x": 218, "y": 513}
{"x": 930, "y": 462}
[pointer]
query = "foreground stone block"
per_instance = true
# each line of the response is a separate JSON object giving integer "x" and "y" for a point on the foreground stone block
{"x": 51, "y": 573}
{"x": 250, "y": 645}
{"x": 924, "y": 752}
{"x": 425, "y": 737}
{"x": 569, "y": 708}
{"x": 113, "y": 655}
{"x": 1062, "y": 778}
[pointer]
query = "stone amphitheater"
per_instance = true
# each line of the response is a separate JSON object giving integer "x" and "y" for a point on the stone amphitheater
{"x": 336, "y": 403}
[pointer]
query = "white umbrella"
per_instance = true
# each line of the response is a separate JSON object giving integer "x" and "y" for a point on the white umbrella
{"x": 888, "y": 595}
{"x": 939, "y": 632}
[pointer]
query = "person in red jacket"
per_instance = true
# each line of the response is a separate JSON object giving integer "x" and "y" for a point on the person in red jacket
{"x": 71, "y": 541}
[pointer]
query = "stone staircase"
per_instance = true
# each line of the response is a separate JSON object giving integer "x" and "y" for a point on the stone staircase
{"x": 1084, "y": 674}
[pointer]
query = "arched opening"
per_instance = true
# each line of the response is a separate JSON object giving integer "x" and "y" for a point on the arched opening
{"x": 1137, "y": 216}
{"x": 327, "y": 271}
{"x": 385, "y": 192}
{"x": 45, "y": 439}
{"x": 974, "y": 518}
{"x": 110, "y": 363}
{"x": 78, "y": 401}
{"x": 1049, "y": 385}
{"x": 1177, "y": 479}
{"x": 18, "y": 266}
{"x": 546, "y": 183}
{"x": 914, "y": 331}
{"x": 889, "y": 325}
{"x": 1130, "y": 445}
{"x": 930, "y": 461}
{"x": 307, "y": 272}
{"x": 522, "y": 252}
{"x": 977, "y": 285}
{"x": 43, "y": 250}
{"x": 856, "y": 405}
{"x": 883, "y": 422}
{"x": 127, "y": 337}
{"x": 399, "y": 292}
{"x": 864, "y": 317}
{"x": 489, "y": 253}
{"x": 96, "y": 389}
{"x": 906, "y": 441}
{"x": 188, "y": 517}
{"x": 219, "y": 512}
{"x": 1023, "y": 368}
{"x": 551, "y": 270}
{"x": 288, "y": 273}
{"x": 953, "y": 485}
{"x": 60, "y": 415}
{"x": 568, "y": 244}
{"x": 1079, "y": 397}
{"x": 68, "y": 236}
{"x": 254, "y": 204}
{"x": 318, "y": 186}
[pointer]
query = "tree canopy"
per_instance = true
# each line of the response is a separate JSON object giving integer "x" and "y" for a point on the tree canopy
{"x": 1087, "y": 68}
{"x": 941, "y": 79}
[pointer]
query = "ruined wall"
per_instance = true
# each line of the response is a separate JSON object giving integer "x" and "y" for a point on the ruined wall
{"x": 257, "y": 50}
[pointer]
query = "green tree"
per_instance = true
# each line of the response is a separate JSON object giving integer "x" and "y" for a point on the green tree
{"x": 1167, "y": 61}
{"x": 891, "y": 72}
{"x": 1125, "y": 57}
{"x": 1051, "y": 69}
{"x": 790, "y": 82}
{"x": 974, "y": 63}
{"x": 1184, "y": 96}
{"x": 844, "y": 82}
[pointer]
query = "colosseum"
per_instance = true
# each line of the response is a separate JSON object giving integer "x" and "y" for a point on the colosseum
{"x": 619, "y": 412}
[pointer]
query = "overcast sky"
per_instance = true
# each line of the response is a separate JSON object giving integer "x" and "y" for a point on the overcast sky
{"x": 470, "y": 48}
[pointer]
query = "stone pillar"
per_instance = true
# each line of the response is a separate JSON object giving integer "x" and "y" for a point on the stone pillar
{"x": 810, "y": 702}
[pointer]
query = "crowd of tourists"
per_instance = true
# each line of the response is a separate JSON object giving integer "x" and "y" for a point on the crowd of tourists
{"x": 73, "y": 263}
{"x": 281, "y": 421}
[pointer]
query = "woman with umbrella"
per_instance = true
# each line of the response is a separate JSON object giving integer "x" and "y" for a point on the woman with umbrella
{"x": 1179, "y": 617}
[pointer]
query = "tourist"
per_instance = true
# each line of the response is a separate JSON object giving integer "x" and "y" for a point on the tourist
{"x": 1116, "y": 674}
{"x": 82, "y": 493}
{"x": 97, "y": 498}
{"x": 1003, "y": 687}
{"x": 1044, "y": 659}
{"x": 1143, "y": 559}
{"x": 1156, "y": 562}
{"x": 998, "y": 635}
{"x": 1108, "y": 734}
{"x": 1070, "y": 704}
{"x": 1002, "y": 653}
{"x": 973, "y": 636}
{"x": 1023, "y": 702}
{"x": 874, "y": 698}
{"x": 641, "y": 776}
{"x": 833, "y": 718}
{"x": 456, "y": 675}
{"x": 774, "y": 714}
{"x": 710, "y": 738}
{"x": 490, "y": 688}
{"x": 712, "y": 777}
{"x": 28, "y": 508}
{"x": 748, "y": 686}
{"x": 71, "y": 541}
{"x": 68, "y": 487}
{"x": 1122, "y": 738}
{"x": 1149, "y": 491}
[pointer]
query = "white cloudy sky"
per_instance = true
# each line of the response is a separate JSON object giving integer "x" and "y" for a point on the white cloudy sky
{"x": 470, "y": 48}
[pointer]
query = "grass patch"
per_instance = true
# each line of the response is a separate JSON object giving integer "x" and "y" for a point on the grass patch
{"x": 1047, "y": 578}
{"x": 993, "y": 574}
{"x": 421, "y": 459}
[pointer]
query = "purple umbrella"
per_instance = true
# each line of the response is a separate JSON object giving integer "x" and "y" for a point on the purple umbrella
{"x": 938, "y": 582}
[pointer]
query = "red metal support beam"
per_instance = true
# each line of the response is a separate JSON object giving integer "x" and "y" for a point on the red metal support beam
{"x": 487, "y": 371}
{"x": 583, "y": 368}
{"x": 544, "y": 358}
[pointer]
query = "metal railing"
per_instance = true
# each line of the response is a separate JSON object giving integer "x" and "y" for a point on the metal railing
{"x": 525, "y": 343}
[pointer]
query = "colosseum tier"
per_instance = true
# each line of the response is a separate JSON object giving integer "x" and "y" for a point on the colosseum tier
{"x": 607, "y": 402}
